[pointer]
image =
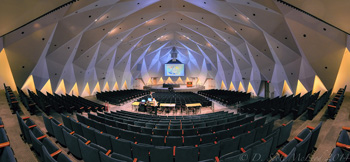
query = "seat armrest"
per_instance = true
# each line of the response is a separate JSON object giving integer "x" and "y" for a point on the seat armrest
{"x": 56, "y": 153}
{"x": 2, "y": 145}
{"x": 342, "y": 145}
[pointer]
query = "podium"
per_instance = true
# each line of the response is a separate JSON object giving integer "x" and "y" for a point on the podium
{"x": 189, "y": 83}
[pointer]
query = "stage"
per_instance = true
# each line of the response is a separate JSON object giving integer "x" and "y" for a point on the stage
{"x": 182, "y": 88}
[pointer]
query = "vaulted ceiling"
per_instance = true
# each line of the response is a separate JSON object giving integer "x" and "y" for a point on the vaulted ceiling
{"x": 116, "y": 41}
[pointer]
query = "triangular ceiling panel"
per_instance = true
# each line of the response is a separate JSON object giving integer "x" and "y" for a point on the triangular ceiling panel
{"x": 90, "y": 44}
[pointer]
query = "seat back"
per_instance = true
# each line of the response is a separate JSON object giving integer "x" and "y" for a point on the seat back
{"x": 186, "y": 153}
{"x": 315, "y": 132}
{"x": 7, "y": 155}
{"x": 89, "y": 153}
{"x": 89, "y": 133}
{"x": 141, "y": 151}
{"x": 173, "y": 141}
{"x": 229, "y": 145}
{"x": 261, "y": 151}
{"x": 337, "y": 155}
{"x": 208, "y": 151}
{"x": 48, "y": 125}
{"x": 103, "y": 140}
{"x": 302, "y": 148}
{"x": 121, "y": 146}
{"x": 66, "y": 121}
{"x": 285, "y": 133}
{"x": 77, "y": 127}
{"x": 58, "y": 133}
{"x": 72, "y": 144}
{"x": 161, "y": 154}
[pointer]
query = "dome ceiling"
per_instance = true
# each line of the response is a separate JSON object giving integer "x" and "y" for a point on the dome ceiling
{"x": 233, "y": 41}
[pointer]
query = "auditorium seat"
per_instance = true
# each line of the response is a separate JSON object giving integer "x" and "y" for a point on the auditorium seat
{"x": 260, "y": 152}
{"x": 114, "y": 131}
{"x": 191, "y": 140}
{"x": 127, "y": 135}
{"x": 186, "y": 153}
{"x": 161, "y": 154}
{"x": 302, "y": 148}
{"x": 274, "y": 135}
{"x": 143, "y": 138}
{"x": 141, "y": 151}
{"x": 77, "y": 127}
{"x": 134, "y": 128}
{"x": 100, "y": 126}
{"x": 235, "y": 131}
{"x": 7, "y": 154}
{"x": 39, "y": 142}
{"x": 57, "y": 128}
{"x": 284, "y": 132}
{"x": 106, "y": 158}
{"x": 25, "y": 127}
{"x": 60, "y": 157}
{"x": 72, "y": 143}
{"x": 89, "y": 133}
{"x": 173, "y": 141}
{"x": 204, "y": 130}
{"x": 207, "y": 138}
{"x": 285, "y": 157}
{"x": 175, "y": 132}
{"x": 261, "y": 132}
{"x": 337, "y": 155}
{"x": 48, "y": 125}
{"x": 89, "y": 153}
{"x": 209, "y": 151}
{"x": 67, "y": 121}
{"x": 121, "y": 146}
{"x": 104, "y": 140}
{"x": 240, "y": 155}
{"x": 229, "y": 145}
{"x": 157, "y": 140}
{"x": 160, "y": 132}
{"x": 314, "y": 136}
{"x": 121, "y": 158}
{"x": 190, "y": 132}
{"x": 247, "y": 138}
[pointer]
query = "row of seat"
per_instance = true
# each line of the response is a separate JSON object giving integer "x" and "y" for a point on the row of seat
{"x": 227, "y": 119}
{"x": 11, "y": 99}
{"x": 47, "y": 151}
{"x": 61, "y": 103}
{"x": 318, "y": 104}
{"x": 6, "y": 153}
{"x": 300, "y": 147}
{"x": 181, "y": 98}
{"x": 28, "y": 103}
{"x": 179, "y": 129}
{"x": 144, "y": 135}
{"x": 225, "y": 96}
{"x": 165, "y": 153}
{"x": 130, "y": 116}
{"x": 341, "y": 152}
{"x": 279, "y": 105}
{"x": 306, "y": 100}
{"x": 334, "y": 105}
{"x": 120, "y": 96}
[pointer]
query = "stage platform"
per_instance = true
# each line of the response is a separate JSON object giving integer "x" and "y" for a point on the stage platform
{"x": 182, "y": 88}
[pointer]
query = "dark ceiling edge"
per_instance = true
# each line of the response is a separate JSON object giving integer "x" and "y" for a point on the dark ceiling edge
{"x": 53, "y": 10}
{"x": 298, "y": 9}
